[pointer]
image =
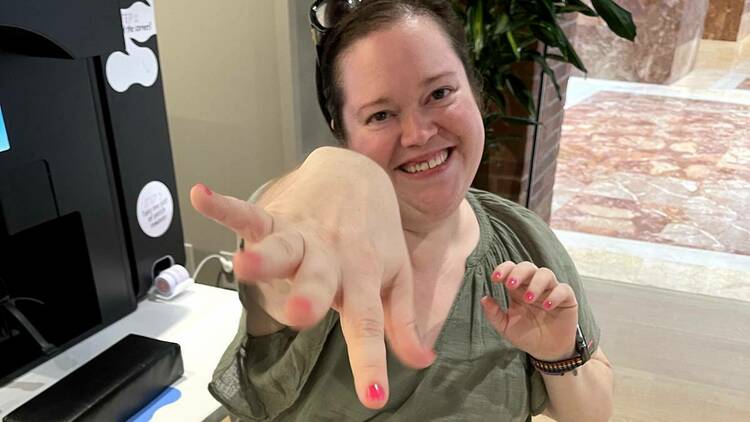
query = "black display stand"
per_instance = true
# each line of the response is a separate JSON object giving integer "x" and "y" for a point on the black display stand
{"x": 73, "y": 255}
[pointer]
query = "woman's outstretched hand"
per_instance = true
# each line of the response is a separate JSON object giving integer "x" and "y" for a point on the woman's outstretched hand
{"x": 543, "y": 313}
{"x": 329, "y": 235}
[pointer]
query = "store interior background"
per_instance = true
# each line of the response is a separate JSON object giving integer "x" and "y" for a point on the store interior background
{"x": 650, "y": 196}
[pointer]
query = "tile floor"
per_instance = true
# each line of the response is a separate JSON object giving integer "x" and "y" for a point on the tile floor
{"x": 658, "y": 169}
{"x": 653, "y": 182}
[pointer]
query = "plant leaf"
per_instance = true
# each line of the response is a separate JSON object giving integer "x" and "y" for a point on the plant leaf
{"x": 573, "y": 58}
{"x": 542, "y": 61}
{"x": 519, "y": 90}
{"x": 502, "y": 24}
{"x": 557, "y": 57}
{"x": 619, "y": 20}
{"x": 513, "y": 45}
{"x": 476, "y": 21}
{"x": 552, "y": 35}
{"x": 520, "y": 120}
{"x": 576, "y": 6}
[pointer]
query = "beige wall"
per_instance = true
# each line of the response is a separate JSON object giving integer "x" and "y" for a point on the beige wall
{"x": 311, "y": 130}
{"x": 222, "y": 83}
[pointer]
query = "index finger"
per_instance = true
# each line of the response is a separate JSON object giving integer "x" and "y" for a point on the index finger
{"x": 242, "y": 217}
{"x": 362, "y": 322}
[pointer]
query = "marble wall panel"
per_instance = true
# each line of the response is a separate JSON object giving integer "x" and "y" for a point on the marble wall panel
{"x": 745, "y": 22}
{"x": 723, "y": 19}
{"x": 664, "y": 50}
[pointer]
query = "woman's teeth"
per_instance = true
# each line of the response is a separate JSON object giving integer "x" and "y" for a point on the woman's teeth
{"x": 426, "y": 165}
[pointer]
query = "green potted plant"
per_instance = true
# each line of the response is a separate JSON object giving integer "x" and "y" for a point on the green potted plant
{"x": 510, "y": 41}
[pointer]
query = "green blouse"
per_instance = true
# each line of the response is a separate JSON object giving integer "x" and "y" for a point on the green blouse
{"x": 477, "y": 375}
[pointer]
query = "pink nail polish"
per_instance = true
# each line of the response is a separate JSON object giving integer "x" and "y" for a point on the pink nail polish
{"x": 548, "y": 305}
{"x": 301, "y": 305}
{"x": 253, "y": 259}
{"x": 375, "y": 393}
{"x": 496, "y": 275}
{"x": 205, "y": 188}
{"x": 529, "y": 297}
{"x": 512, "y": 282}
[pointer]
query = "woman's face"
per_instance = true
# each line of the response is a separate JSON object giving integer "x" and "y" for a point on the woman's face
{"x": 408, "y": 106}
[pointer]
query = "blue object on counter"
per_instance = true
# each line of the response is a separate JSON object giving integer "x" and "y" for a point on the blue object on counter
{"x": 169, "y": 395}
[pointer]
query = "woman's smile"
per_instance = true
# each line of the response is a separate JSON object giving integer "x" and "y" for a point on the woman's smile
{"x": 428, "y": 164}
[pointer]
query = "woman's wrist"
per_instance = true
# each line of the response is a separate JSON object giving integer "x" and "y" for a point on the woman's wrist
{"x": 557, "y": 357}
{"x": 562, "y": 364}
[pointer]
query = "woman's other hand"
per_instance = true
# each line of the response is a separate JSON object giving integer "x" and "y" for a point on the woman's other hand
{"x": 543, "y": 313}
{"x": 329, "y": 235}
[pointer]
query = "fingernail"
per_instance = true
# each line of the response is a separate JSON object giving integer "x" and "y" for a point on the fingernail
{"x": 529, "y": 297}
{"x": 302, "y": 305}
{"x": 206, "y": 190}
{"x": 242, "y": 243}
{"x": 496, "y": 275}
{"x": 548, "y": 305}
{"x": 512, "y": 282}
{"x": 375, "y": 392}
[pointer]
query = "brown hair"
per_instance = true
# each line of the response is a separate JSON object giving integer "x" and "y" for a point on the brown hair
{"x": 371, "y": 16}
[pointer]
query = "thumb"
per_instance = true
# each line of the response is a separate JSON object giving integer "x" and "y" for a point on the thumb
{"x": 501, "y": 320}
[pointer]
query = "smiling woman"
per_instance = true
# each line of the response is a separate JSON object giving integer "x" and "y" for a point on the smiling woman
{"x": 383, "y": 239}
{"x": 427, "y": 111}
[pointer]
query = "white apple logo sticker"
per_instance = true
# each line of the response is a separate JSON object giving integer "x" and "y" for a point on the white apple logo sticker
{"x": 138, "y": 65}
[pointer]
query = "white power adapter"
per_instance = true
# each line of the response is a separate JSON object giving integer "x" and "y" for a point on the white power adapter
{"x": 176, "y": 279}
{"x": 172, "y": 281}
{"x": 226, "y": 265}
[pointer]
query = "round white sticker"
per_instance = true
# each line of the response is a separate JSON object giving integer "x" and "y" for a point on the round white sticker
{"x": 155, "y": 209}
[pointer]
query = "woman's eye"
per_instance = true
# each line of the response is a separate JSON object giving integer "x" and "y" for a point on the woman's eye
{"x": 440, "y": 93}
{"x": 378, "y": 117}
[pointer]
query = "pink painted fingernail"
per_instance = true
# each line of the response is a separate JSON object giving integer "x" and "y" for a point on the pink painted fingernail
{"x": 301, "y": 305}
{"x": 253, "y": 259}
{"x": 375, "y": 393}
{"x": 205, "y": 188}
{"x": 512, "y": 282}
{"x": 548, "y": 305}
{"x": 497, "y": 275}
{"x": 529, "y": 297}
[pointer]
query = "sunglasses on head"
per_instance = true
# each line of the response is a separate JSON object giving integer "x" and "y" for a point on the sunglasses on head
{"x": 323, "y": 16}
{"x": 325, "y": 13}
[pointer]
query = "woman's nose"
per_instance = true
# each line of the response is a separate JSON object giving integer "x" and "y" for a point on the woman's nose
{"x": 416, "y": 129}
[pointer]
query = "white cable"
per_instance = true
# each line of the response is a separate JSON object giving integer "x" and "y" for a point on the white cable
{"x": 202, "y": 263}
{"x": 225, "y": 264}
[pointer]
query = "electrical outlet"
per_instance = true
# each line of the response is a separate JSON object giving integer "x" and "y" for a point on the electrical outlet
{"x": 189, "y": 257}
